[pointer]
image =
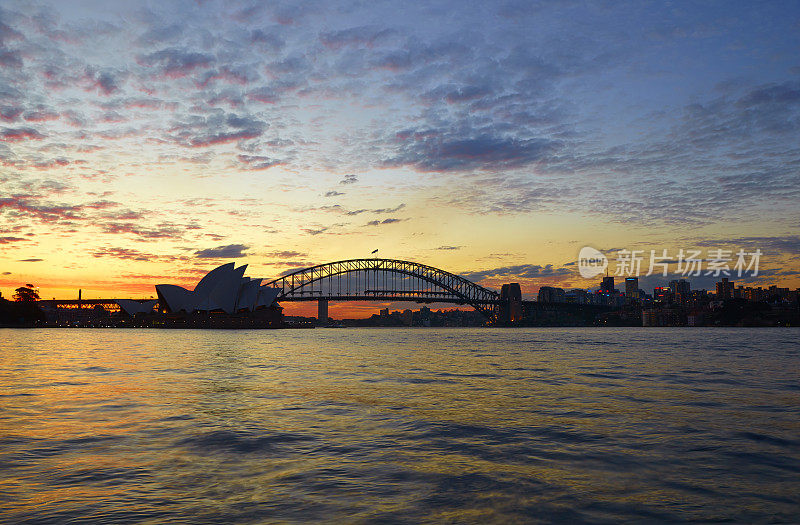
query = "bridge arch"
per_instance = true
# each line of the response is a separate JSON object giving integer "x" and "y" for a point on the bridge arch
{"x": 380, "y": 281}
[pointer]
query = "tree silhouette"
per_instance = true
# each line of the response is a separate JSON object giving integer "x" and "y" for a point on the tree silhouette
{"x": 26, "y": 294}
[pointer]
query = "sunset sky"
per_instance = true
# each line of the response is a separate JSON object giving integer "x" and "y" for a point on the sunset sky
{"x": 143, "y": 143}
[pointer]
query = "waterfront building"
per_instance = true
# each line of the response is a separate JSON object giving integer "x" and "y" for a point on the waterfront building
{"x": 724, "y": 289}
{"x": 224, "y": 288}
{"x": 632, "y": 288}
{"x": 551, "y": 294}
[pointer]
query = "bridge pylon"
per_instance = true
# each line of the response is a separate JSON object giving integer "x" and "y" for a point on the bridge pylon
{"x": 322, "y": 312}
{"x": 510, "y": 304}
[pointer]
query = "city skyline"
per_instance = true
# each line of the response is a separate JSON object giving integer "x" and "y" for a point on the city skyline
{"x": 143, "y": 144}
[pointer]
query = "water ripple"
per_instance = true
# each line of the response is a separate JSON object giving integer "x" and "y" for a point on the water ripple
{"x": 400, "y": 426}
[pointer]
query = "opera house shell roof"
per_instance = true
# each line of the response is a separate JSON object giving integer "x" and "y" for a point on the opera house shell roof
{"x": 223, "y": 288}
{"x": 133, "y": 307}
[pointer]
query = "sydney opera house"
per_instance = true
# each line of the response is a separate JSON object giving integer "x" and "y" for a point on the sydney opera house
{"x": 223, "y": 289}
{"x": 224, "y": 298}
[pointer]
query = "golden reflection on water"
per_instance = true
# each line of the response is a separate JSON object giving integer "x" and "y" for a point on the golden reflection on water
{"x": 438, "y": 425}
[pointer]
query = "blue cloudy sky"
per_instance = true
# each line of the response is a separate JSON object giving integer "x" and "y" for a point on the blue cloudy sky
{"x": 143, "y": 141}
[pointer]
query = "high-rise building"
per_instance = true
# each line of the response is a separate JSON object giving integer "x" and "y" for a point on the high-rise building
{"x": 550, "y": 294}
{"x": 607, "y": 284}
{"x": 681, "y": 286}
{"x": 662, "y": 294}
{"x": 632, "y": 287}
{"x": 725, "y": 289}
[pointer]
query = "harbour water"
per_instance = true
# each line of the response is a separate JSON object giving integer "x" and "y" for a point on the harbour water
{"x": 402, "y": 426}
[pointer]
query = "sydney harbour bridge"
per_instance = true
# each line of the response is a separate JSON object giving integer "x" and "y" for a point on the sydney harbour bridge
{"x": 395, "y": 280}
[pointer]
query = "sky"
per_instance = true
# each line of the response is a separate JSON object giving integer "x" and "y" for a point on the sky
{"x": 148, "y": 142}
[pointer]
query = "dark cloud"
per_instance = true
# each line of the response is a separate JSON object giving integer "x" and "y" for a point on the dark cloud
{"x": 175, "y": 62}
{"x": 30, "y": 206}
{"x": 349, "y": 179}
{"x": 10, "y": 113}
{"x": 257, "y": 162}
{"x": 161, "y": 231}
{"x": 267, "y": 40}
{"x": 430, "y": 150}
{"x": 333, "y": 193}
{"x": 231, "y": 251}
{"x": 234, "y": 74}
{"x": 7, "y": 33}
{"x": 9, "y": 240}
{"x": 356, "y": 36}
{"x": 104, "y": 80}
{"x": 122, "y": 253}
{"x": 521, "y": 271}
{"x": 390, "y": 220}
{"x": 40, "y": 115}
{"x": 30, "y": 260}
{"x": 448, "y": 248}
{"x": 19, "y": 134}
{"x": 132, "y": 254}
{"x": 10, "y": 59}
{"x": 338, "y": 208}
{"x": 217, "y": 128}
{"x": 286, "y": 254}
{"x": 160, "y": 33}
{"x": 786, "y": 244}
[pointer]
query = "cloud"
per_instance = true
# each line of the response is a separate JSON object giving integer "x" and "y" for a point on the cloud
{"x": 266, "y": 95}
{"x": 11, "y": 58}
{"x": 521, "y": 271}
{"x": 257, "y": 162}
{"x": 121, "y": 253}
{"x": 338, "y": 208}
{"x": 441, "y": 151}
{"x": 105, "y": 81}
{"x": 785, "y": 244}
{"x": 19, "y": 134}
{"x": 40, "y": 115}
{"x": 24, "y": 205}
{"x": 390, "y": 220}
{"x": 267, "y": 40}
{"x": 216, "y": 128}
{"x": 448, "y": 248}
{"x": 356, "y": 36}
{"x": 9, "y": 240}
{"x": 10, "y": 113}
{"x": 30, "y": 260}
{"x": 233, "y": 74}
{"x": 539, "y": 111}
{"x": 175, "y": 62}
{"x": 231, "y": 251}
{"x": 162, "y": 231}
{"x": 286, "y": 254}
